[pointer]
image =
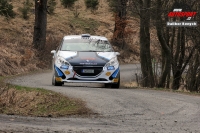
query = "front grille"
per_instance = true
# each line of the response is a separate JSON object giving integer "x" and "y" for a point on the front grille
{"x": 79, "y": 70}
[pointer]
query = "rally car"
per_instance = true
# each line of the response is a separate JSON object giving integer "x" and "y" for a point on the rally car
{"x": 85, "y": 59}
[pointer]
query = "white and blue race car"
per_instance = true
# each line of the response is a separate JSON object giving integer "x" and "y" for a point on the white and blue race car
{"x": 85, "y": 58}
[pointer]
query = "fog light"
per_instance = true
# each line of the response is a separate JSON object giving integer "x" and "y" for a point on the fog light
{"x": 58, "y": 79}
{"x": 67, "y": 72}
{"x": 115, "y": 80}
{"x": 108, "y": 73}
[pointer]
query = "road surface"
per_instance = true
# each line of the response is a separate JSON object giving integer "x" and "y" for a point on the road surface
{"x": 121, "y": 110}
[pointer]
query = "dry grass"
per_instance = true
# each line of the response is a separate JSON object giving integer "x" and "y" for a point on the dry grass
{"x": 132, "y": 84}
{"x": 24, "y": 101}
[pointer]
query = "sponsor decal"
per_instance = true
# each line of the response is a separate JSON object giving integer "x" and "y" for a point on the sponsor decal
{"x": 88, "y": 63}
{"x": 67, "y": 72}
{"x": 108, "y": 73}
{"x": 179, "y": 14}
{"x": 87, "y": 58}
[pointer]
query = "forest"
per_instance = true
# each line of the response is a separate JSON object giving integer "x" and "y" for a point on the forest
{"x": 179, "y": 45}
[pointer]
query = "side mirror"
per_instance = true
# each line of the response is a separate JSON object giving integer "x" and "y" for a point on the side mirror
{"x": 53, "y": 51}
{"x": 117, "y": 53}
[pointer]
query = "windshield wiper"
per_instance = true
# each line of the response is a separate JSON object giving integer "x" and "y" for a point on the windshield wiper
{"x": 90, "y": 51}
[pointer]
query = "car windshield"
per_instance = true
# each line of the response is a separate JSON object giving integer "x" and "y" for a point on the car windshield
{"x": 86, "y": 45}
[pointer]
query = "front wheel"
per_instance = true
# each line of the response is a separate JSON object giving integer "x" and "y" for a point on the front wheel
{"x": 55, "y": 83}
{"x": 116, "y": 86}
{"x": 113, "y": 85}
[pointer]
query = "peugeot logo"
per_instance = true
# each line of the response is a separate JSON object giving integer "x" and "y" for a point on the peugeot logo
{"x": 87, "y": 60}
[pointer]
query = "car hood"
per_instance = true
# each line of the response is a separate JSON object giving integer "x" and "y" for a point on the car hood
{"x": 87, "y": 58}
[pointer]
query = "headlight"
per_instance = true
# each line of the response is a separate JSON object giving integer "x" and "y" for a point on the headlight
{"x": 62, "y": 61}
{"x": 112, "y": 62}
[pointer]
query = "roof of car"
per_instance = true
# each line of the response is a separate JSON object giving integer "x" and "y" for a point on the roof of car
{"x": 85, "y": 36}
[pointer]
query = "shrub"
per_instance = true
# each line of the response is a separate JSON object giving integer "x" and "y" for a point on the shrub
{"x": 51, "y": 6}
{"x": 25, "y": 9}
{"x": 68, "y": 3}
{"x": 6, "y": 9}
{"x": 93, "y": 4}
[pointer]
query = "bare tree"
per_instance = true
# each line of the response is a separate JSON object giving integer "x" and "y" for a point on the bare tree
{"x": 193, "y": 73}
{"x": 163, "y": 37}
{"x": 145, "y": 55}
{"x": 184, "y": 48}
{"x": 179, "y": 45}
{"x": 176, "y": 47}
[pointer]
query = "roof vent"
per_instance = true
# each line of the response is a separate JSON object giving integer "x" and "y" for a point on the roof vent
{"x": 85, "y": 35}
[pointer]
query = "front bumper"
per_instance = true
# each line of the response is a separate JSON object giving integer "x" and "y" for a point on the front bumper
{"x": 102, "y": 75}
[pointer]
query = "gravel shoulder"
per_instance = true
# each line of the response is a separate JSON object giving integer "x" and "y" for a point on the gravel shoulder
{"x": 121, "y": 110}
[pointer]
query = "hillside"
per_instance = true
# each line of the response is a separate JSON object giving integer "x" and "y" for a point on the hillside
{"x": 16, "y": 51}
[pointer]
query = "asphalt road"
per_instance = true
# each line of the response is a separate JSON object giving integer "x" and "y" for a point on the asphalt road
{"x": 121, "y": 110}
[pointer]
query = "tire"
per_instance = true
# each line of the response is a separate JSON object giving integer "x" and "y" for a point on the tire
{"x": 55, "y": 83}
{"x": 115, "y": 85}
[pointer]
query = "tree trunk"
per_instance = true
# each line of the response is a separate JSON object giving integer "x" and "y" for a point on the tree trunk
{"x": 192, "y": 78}
{"x": 164, "y": 42}
{"x": 145, "y": 56}
{"x": 39, "y": 38}
{"x": 180, "y": 55}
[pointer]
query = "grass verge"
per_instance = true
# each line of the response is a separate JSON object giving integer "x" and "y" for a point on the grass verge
{"x": 134, "y": 85}
{"x": 26, "y": 101}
